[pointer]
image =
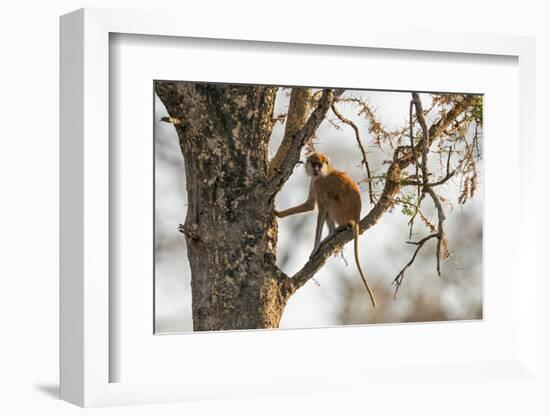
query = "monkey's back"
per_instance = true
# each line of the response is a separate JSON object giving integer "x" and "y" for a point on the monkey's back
{"x": 341, "y": 195}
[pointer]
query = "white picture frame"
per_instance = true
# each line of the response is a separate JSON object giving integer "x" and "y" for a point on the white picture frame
{"x": 85, "y": 302}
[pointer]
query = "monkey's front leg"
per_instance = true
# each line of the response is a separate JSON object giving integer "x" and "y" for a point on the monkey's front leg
{"x": 309, "y": 205}
{"x": 321, "y": 217}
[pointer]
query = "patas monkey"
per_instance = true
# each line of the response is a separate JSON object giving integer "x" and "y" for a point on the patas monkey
{"x": 338, "y": 200}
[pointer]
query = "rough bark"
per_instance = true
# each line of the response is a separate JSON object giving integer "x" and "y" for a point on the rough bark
{"x": 231, "y": 234}
{"x": 230, "y": 228}
{"x": 298, "y": 111}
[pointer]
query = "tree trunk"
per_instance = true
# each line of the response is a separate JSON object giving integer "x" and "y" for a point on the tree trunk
{"x": 231, "y": 234}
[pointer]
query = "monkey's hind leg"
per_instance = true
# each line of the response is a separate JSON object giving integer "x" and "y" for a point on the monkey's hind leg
{"x": 331, "y": 226}
{"x": 331, "y": 229}
{"x": 321, "y": 217}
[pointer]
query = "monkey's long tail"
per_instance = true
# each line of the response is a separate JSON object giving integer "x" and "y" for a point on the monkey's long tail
{"x": 356, "y": 247}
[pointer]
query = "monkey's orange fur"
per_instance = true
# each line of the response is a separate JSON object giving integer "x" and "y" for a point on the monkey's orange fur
{"x": 336, "y": 192}
{"x": 338, "y": 199}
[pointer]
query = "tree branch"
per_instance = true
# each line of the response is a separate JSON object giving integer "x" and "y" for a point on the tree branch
{"x": 360, "y": 144}
{"x": 298, "y": 111}
{"x": 449, "y": 174}
{"x": 427, "y": 188}
{"x": 440, "y": 220}
{"x": 401, "y": 275}
{"x": 298, "y": 141}
{"x": 426, "y": 142}
{"x": 411, "y": 136}
{"x": 435, "y": 129}
{"x": 420, "y": 194}
{"x": 375, "y": 127}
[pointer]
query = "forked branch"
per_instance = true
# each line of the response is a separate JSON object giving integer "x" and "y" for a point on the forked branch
{"x": 425, "y": 187}
{"x": 295, "y": 144}
{"x": 401, "y": 275}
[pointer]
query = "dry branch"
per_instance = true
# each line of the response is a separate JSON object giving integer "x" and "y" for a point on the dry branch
{"x": 401, "y": 275}
{"x": 440, "y": 230}
{"x": 375, "y": 127}
{"x": 426, "y": 188}
{"x": 365, "y": 161}
{"x": 298, "y": 111}
{"x": 426, "y": 136}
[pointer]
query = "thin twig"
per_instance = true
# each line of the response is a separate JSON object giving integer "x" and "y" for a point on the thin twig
{"x": 361, "y": 148}
{"x": 440, "y": 221}
{"x": 401, "y": 275}
{"x": 423, "y": 217}
{"x": 375, "y": 127}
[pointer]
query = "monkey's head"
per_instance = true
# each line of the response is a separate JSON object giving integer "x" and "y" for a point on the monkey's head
{"x": 317, "y": 165}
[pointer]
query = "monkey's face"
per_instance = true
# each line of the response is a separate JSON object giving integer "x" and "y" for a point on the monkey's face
{"x": 317, "y": 165}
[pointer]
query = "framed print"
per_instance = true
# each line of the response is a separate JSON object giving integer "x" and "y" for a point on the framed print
{"x": 186, "y": 153}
